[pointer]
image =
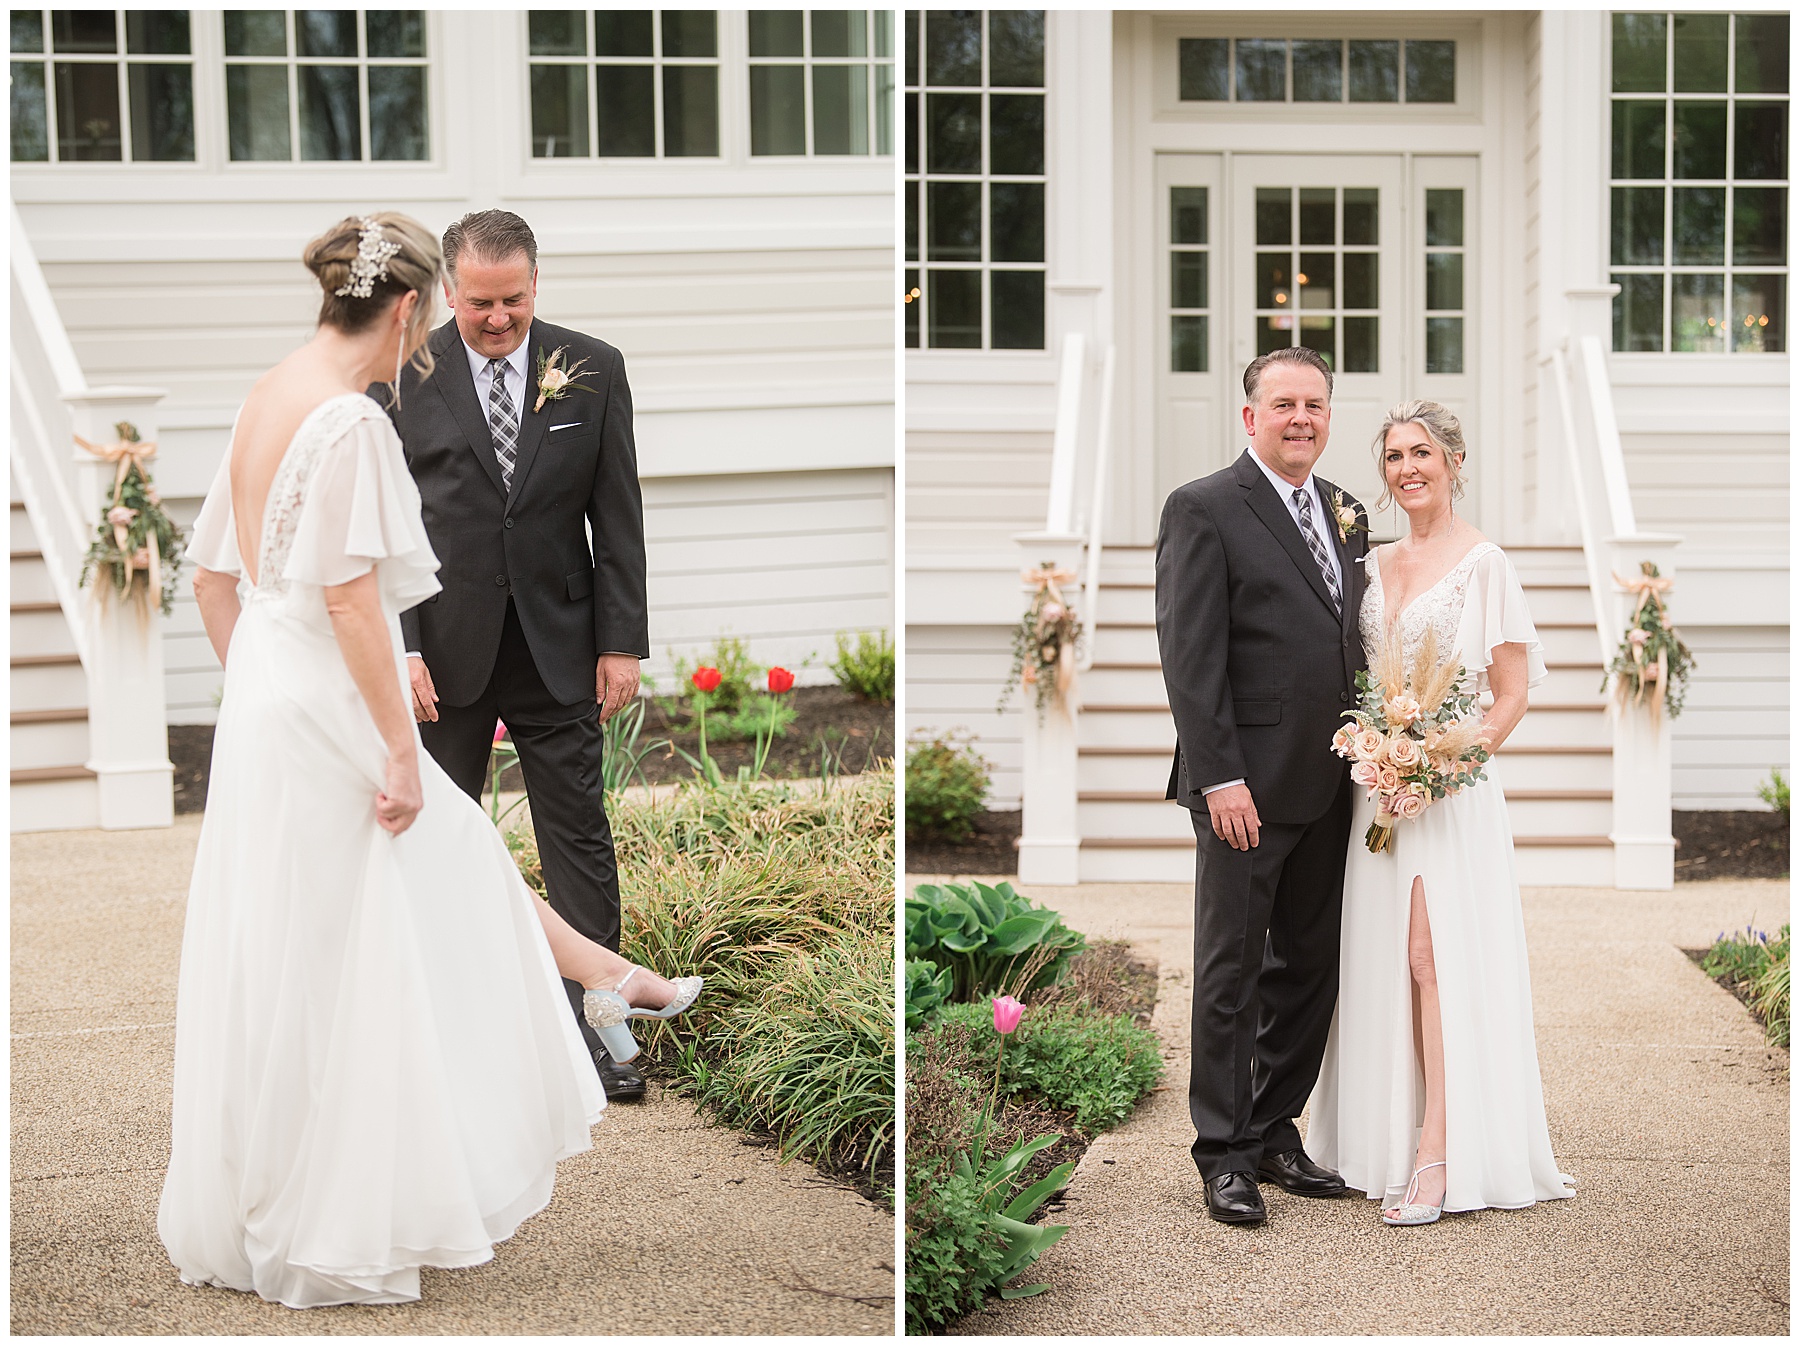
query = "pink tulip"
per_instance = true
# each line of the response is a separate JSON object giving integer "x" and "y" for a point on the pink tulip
{"x": 1007, "y": 1013}
{"x": 499, "y": 731}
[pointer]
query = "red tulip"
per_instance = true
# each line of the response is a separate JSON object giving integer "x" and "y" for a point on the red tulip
{"x": 706, "y": 679}
{"x": 499, "y": 731}
{"x": 780, "y": 680}
{"x": 1007, "y": 1013}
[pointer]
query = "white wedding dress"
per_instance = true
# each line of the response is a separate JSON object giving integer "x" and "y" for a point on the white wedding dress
{"x": 376, "y": 1068}
{"x": 1370, "y": 1099}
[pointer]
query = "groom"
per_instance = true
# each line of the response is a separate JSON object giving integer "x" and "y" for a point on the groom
{"x": 533, "y": 626}
{"x": 1257, "y": 589}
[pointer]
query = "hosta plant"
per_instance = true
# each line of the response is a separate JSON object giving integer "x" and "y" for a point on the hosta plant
{"x": 992, "y": 940}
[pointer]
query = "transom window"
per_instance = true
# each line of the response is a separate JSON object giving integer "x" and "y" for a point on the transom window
{"x": 1190, "y": 282}
{"x": 975, "y": 179}
{"x": 624, "y": 83}
{"x": 326, "y": 84}
{"x": 1318, "y": 273}
{"x": 1699, "y": 181}
{"x": 821, "y": 81}
{"x": 102, "y": 85}
{"x": 1316, "y": 70}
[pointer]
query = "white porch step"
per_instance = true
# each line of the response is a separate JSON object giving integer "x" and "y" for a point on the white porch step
{"x": 1580, "y": 865}
{"x": 51, "y": 787}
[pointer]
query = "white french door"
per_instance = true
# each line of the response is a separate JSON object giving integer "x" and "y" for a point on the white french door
{"x": 1364, "y": 258}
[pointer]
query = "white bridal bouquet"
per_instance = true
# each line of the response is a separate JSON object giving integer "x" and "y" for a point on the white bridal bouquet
{"x": 1415, "y": 735}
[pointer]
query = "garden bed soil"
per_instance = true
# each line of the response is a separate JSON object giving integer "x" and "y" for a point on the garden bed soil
{"x": 1749, "y": 844}
{"x": 992, "y": 849}
{"x": 859, "y": 733}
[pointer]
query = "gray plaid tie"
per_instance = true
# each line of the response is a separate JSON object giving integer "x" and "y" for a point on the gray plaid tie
{"x": 1303, "y": 499}
{"x": 503, "y": 421}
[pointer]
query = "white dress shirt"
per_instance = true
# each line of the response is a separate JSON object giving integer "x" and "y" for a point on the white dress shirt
{"x": 1322, "y": 519}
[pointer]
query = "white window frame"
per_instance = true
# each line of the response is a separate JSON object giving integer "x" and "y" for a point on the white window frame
{"x": 49, "y": 58}
{"x": 1668, "y": 269}
{"x": 870, "y": 62}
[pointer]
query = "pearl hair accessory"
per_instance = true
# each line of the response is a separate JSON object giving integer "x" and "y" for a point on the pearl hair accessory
{"x": 370, "y": 263}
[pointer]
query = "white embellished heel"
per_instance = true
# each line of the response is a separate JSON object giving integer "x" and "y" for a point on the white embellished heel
{"x": 1408, "y": 1212}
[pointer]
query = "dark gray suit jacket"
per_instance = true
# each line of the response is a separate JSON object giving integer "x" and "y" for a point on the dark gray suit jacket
{"x": 530, "y": 544}
{"x": 1258, "y": 666}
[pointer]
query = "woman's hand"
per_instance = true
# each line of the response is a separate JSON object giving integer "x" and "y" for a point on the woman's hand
{"x": 397, "y": 806}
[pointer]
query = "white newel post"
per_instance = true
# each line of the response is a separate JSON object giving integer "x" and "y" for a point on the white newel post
{"x": 1050, "y": 835}
{"x": 1643, "y": 761}
{"x": 128, "y": 730}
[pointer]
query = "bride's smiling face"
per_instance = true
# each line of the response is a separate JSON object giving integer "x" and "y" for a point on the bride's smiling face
{"x": 1417, "y": 473}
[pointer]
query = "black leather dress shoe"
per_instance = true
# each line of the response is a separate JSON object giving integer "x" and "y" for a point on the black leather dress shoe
{"x": 1293, "y": 1172}
{"x": 622, "y": 1083}
{"x": 1232, "y": 1198}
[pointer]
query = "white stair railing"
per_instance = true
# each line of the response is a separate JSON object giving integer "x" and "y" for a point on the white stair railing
{"x": 1612, "y": 544}
{"x": 63, "y": 487}
{"x": 1050, "y": 838}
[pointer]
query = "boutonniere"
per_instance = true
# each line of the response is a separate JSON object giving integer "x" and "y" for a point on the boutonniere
{"x": 554, "y": 381}
{"x": 1344, "y": 513}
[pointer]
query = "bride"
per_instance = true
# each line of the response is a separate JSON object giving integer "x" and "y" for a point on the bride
{"x": 375, "y": 1065}
{"x": 1429, "y": 1098}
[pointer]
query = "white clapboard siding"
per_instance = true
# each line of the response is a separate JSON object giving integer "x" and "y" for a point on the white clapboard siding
{"x": 953, "y": 679}
{"x": 968, "y": 490}
{"x": 1734, "y": 727}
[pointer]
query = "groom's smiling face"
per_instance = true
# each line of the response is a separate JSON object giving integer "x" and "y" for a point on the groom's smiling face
{"x": 493, "y": 302}
{"x": 1290, "y": 420}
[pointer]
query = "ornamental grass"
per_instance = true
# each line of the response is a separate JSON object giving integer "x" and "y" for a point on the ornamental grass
{"x": 783, "y": 900}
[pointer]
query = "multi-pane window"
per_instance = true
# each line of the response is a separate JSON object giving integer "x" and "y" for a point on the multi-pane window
{"x": 326, "y": 84}
{"x": 821, "y": 81}
{"x": 975, "y": 179}
{"x": 1316, "y": 70}
{"x": 1699, "y": 181}
{"x": 1190, "y": 288}
{"x": 1318, "y": 273}
{"x": 1444, "y": 302}
{"x": 624, "y": 83}
{"x": 102, "y": 85}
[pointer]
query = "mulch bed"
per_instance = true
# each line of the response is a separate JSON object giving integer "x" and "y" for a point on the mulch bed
{"x": 993, "y": 849}
{"x": 1751, "y": 844}
{"x": 857, "y": 734}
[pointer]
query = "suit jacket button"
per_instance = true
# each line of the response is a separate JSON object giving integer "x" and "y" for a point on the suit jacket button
{"x": 1343, "y": 696}
{"x": 500, "y": 580}
{"x": 509, "y": 523}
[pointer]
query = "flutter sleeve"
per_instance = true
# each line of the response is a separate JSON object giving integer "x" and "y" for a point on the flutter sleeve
{"x": 212, "y": 543}
{"x": 361, "y": 513}
{"x": 1494, "y": 614}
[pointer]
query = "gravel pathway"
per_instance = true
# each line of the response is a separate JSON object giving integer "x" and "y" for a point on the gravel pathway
{"x": 1663, "y": 1103}
{"x": 668, "y": 1226}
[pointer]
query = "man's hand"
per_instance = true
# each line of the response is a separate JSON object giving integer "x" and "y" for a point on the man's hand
{"x": 1234, "y": 817}
{"x": 424, "y": 695}
{"x": 615, "y": 683}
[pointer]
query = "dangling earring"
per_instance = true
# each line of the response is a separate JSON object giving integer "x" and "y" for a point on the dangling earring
{"x": 399, "y": 361}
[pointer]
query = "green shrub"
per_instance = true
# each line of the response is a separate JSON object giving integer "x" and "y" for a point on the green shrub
{"x": 966, "y": 1232}
{"x": 1095, "y": 1066}
{"x": 928, "y": 986}
{"x": 946, "y": 786}
{"x": 867, "y": 667}
{"x": 1774, "y": 792}
{"x": 993, "y": 940}
{"x": 1756, "y": 967}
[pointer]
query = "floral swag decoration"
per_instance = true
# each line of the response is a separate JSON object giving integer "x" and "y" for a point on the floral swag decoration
{"x": 1045, "y": 640}
{"x": 137, "y": 546}
{"x": 1653, "y": 664}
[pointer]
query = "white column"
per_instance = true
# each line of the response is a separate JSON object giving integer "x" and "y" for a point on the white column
{"x": 1643, "y": 762}
{"x": 1050, "y": 840}
{"x": 128, "y": 731}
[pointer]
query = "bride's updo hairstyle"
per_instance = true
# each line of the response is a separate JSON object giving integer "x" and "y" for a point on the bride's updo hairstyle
{"x": 403, "y": 255}
{"x": 1440, "y": 426}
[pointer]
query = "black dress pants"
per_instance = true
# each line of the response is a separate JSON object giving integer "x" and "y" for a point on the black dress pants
{"x": 1266, "y": 925}
{"x": 560, "y": 749}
